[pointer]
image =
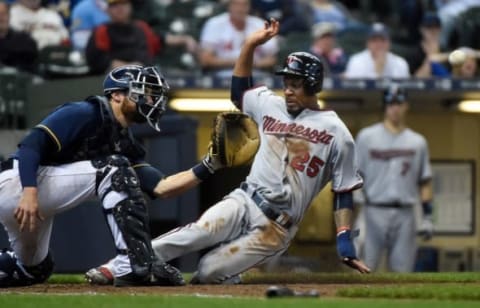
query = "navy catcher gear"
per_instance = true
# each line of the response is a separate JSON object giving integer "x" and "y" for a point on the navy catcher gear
{"x": 145, "y": 86}
{"x": 14, "y": 274}
{"x": 305, "y": 65}
{"x": 394, "y": 94}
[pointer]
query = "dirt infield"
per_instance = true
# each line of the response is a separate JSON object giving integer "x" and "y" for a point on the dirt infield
{"x": 256, "y": 290}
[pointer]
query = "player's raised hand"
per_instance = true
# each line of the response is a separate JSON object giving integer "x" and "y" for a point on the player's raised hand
{"x": 263, "y": 35}
{"x": 27, "y": 211}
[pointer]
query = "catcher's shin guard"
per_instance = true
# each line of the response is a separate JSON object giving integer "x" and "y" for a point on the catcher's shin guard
{"x": 14, "y": 274}
{"x": 130, "y": 215}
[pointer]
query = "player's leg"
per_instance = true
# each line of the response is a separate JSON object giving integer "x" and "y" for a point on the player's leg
{"x": 29, "y": 260}
{"x": 126, "y": 213}
{"x": 221, "y": 222}
{"x": 376, "y": 228}
{"x": 359, "y": 224}
{"x": 261, "y": 241}
{"x": 403, "y": 252}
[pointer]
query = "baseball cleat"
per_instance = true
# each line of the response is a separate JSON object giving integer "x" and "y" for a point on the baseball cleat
{"x": 99, "y": 276}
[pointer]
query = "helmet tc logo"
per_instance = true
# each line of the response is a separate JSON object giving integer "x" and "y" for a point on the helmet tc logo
{"x": 293, "y": 61}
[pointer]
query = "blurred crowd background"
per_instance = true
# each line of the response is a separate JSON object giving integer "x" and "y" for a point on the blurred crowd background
{"x": 356, "y": 38}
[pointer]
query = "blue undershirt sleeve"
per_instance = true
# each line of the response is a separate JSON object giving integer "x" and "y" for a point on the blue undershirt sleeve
{"x": 32, "y": 148}
{"x": 148, "y": 177}
{"x": 238, "y": 87}
{"x": 343, "y": 201}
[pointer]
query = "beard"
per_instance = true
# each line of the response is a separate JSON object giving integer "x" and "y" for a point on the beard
{"x": 132, "y": 114}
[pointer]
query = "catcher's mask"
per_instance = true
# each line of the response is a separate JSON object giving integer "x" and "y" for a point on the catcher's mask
{"x": 394, "y": 94}
{"x": 305, "y": 65}
{"x": 145, "y": 86}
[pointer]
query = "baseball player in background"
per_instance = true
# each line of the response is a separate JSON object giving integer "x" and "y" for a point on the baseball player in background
{"x": 394, "y": 163}
{"x": 84, "y": 150}
{"x": 302, "y": 148}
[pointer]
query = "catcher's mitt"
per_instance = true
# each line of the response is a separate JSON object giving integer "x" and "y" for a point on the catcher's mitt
{"x": 235, "y": 139}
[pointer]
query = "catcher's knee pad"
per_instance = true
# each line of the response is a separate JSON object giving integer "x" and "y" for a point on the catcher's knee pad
{"x": 14, "y": 274}
{"x": 124, "y": 179}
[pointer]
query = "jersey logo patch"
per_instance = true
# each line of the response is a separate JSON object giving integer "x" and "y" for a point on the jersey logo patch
{"x": 276, "y": 127}
{"x": 389, "y": 154}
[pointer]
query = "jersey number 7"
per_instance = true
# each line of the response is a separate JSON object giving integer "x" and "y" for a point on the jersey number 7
{"x": 303, "y": 161}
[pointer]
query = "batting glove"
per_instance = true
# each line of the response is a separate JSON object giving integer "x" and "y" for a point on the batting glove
{"x": 426, "y": 227}
{"x": 345, "y": 248}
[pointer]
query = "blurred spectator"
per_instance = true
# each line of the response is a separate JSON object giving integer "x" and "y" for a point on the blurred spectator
{"x": 17, "y": 49}
{"x": 325, "y": 47}
{"x": 449, "y": 11}
{"x": 290, "y": 13}
{"x": 330, "y": 11}
{"x": 123, "y": 40}
{"x": 377, "y": 61}
{"x": 424, "y": 62}
{"x": 222, "y": 38}
{"x": 44, "y": 25}
{"x": 87, "y": 15}
{"x": 467, "y": 67}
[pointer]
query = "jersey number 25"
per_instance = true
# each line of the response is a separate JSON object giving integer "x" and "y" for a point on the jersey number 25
{"x": 304, "y": 161}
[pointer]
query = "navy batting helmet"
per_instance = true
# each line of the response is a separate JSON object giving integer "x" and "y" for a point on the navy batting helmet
{"x": 305, "y": 65}
{"x": 394, "y": 94}
{"x": 140, "y": 83}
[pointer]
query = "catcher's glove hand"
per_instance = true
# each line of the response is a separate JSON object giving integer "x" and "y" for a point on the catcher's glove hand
{"x": 234, "y": 141}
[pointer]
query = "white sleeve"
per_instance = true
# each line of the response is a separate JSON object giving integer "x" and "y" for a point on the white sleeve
{"x": 403, "y": 71}
{"x": 208, "y": 37}
{"x": 361, "y": 150}
{"x": 255, "y": 101}
{"x": 425, "y": 169}
{"x": 345, "y": 176}
{"x": 354, "y": 68}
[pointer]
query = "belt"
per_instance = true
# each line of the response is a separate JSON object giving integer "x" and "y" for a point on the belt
{"x": 394, "y": 205}
{"x": 279, "y": 217}
{"x": 6, "y": 164}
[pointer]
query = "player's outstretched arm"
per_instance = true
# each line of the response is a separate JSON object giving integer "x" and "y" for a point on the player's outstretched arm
{"x": 176, "y": 184}
{"x": 343, "y": 211}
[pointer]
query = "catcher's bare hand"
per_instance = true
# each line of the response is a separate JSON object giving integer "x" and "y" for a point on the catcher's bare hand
{"x": 27, "y": 211}
{"x": 356, "y": 265}
{"x": 263, "y": 35}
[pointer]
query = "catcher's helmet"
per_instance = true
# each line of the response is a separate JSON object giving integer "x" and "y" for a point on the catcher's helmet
{"x": 394, "y": 94}
{"x": 140, "y": 83}
{"x": 306, "y": 65}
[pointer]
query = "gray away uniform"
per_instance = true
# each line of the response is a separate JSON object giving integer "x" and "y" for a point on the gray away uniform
{"x": 392, "y": 166}
{"x": 296, "y": 159}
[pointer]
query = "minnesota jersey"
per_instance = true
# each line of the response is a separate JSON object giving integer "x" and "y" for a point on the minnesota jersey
{"x": 401, "y": 160}
{"x": 298, "y": 155}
